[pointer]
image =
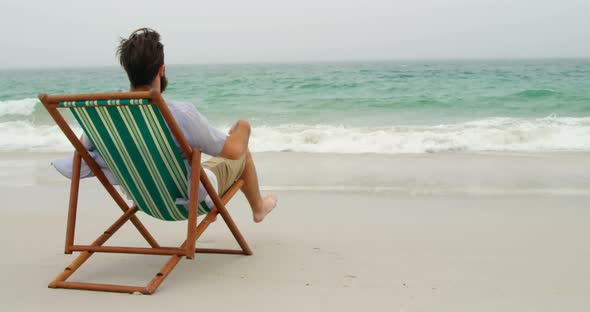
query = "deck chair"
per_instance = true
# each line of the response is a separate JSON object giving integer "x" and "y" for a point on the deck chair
{"x": 134, "y": 132}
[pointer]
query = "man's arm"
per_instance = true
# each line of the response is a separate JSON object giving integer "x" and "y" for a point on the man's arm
{"x": 236, "y": 143}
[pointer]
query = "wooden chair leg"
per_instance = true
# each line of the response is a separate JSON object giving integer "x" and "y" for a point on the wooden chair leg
{"x": 235, "y": 231}
{"x": 169, "y": 266}
{"x": 220, "y": 206}
{"x": 220, "y": 202}
{"x": 69, "y": 270}
{"x": 193, "y": 204}
{"x": 163, "y": 273}
{"x": 73, "y": 205}
{"x": 61, "y": 280}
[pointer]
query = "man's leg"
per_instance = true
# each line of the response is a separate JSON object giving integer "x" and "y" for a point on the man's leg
{"x": 228, "y": 171}
{"x": 261, "y": 205}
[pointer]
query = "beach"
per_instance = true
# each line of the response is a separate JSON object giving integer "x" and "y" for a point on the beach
{"x": 404, "y": 232}
{"x": 403, "y": 186}
{"x": 426, "y": 155}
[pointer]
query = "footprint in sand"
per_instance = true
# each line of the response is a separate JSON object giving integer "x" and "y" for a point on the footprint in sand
{"x": 350, "y": 280}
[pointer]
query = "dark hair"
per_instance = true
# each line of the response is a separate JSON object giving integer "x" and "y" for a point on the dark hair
{"x": 141, "y": 55}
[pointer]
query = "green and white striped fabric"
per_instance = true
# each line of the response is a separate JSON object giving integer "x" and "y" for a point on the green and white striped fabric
{"x": 104, "y": 102}
{"x": 134, "y": 141}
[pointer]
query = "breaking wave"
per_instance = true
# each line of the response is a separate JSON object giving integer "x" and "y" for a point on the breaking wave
{"x": 23, "y": 135}
{"x": 22, "y": 107}
{"x": 491, "y": 134}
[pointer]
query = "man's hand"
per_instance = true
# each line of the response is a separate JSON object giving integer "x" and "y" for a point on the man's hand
{"x": 236, "y": 143}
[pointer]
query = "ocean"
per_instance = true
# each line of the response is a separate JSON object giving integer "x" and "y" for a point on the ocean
{"x": 357, "y": 107}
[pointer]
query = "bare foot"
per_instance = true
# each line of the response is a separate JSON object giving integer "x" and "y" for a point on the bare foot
{"x": 268, "y": 204}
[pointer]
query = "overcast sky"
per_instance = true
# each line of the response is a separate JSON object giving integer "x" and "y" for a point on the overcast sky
{"x": 60, "y": 33}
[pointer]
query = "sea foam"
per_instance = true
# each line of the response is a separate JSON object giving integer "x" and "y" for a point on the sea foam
{"x": 22, "y": 107}
{"x": 491, "y": 134}
{"x": 23, "y": 135}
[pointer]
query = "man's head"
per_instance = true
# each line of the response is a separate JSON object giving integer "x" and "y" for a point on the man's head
{"x": 142, "y": 57}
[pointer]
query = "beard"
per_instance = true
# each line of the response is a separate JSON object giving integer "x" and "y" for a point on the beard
{"x": 163, "y": 83}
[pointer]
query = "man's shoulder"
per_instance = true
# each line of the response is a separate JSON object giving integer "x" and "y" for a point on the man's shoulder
{"x": 179, "y": 104}
{"x": 186, "y": 114}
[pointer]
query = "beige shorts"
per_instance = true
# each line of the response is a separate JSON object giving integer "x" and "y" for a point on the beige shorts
{"x": 226, "y": 170}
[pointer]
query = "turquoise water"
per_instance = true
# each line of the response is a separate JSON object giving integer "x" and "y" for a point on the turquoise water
{"x": 393, "y": 103}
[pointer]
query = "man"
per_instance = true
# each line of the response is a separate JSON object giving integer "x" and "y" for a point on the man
{"x": 142, "y": 57}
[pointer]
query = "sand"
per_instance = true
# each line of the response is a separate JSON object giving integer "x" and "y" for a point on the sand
{"x": 433, "y": 232}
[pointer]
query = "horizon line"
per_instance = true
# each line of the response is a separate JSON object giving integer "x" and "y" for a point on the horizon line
{"x": 393, "y": 60}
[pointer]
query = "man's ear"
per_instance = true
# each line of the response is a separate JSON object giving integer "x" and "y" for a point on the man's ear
{"x": 162, "y": 70}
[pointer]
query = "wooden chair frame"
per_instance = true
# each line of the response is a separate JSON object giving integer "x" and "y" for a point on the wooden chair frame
{"x": 194, "y": 231}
